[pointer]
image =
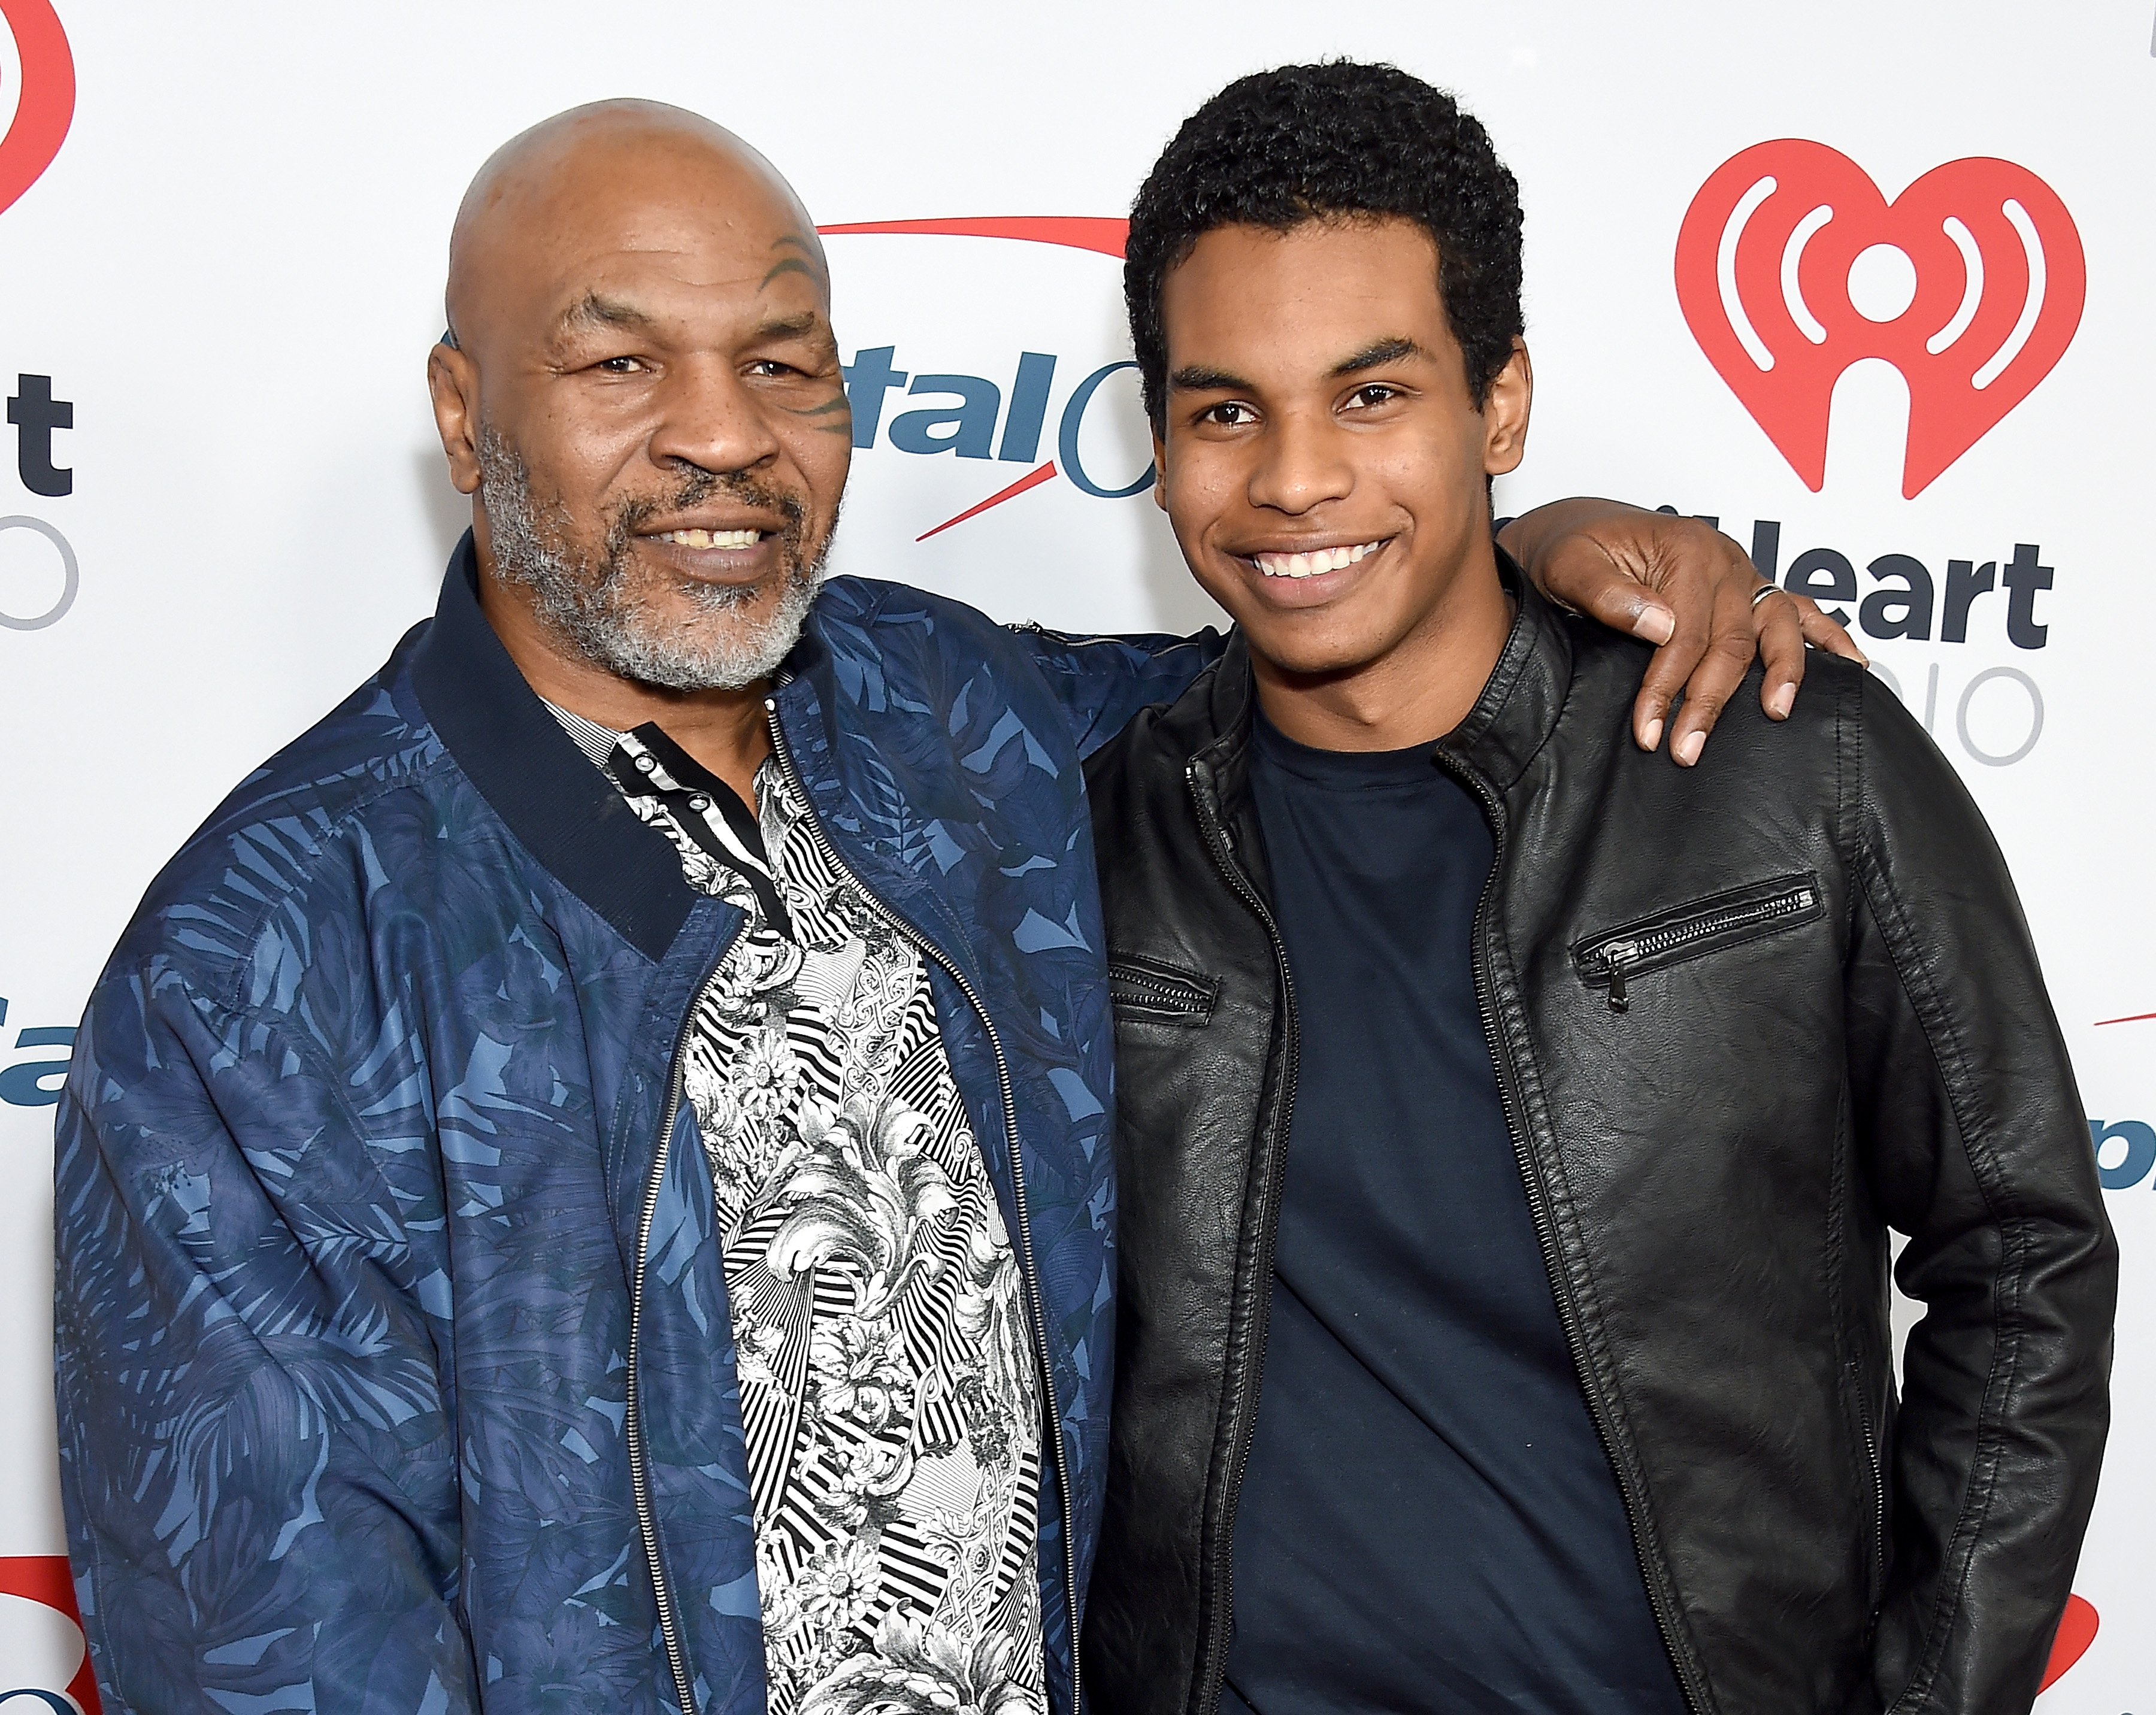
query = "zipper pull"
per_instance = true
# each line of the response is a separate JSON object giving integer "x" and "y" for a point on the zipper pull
{"x": 1615, "y": 957}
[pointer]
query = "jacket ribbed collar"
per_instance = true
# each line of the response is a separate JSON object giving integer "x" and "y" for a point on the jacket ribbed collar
{"x": 566, "y": 814}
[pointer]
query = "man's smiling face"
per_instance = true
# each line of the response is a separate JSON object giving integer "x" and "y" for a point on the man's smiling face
{"x": 1322, "y": 456}
{"x": 651, "y": 398}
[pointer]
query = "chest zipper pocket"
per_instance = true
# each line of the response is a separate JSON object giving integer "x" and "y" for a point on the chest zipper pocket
{"x": 1608, "y": 960}
{"x": 1144, "y": 988}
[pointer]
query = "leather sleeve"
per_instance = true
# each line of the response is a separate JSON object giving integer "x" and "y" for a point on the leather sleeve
{"x": 1966, "y": 1120}
{"x": 255, "y": 1445}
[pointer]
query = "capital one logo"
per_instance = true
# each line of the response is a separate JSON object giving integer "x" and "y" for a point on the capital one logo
{"x": 975, "y": 416}
{"x": 37, "y": 94}
{"x": 1791, "y": 266}
{"x": 45, "y": 1665}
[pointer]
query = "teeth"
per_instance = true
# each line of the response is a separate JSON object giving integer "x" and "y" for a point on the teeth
{"x": 713, "y": 538}
{"x": 1309, "y": 564}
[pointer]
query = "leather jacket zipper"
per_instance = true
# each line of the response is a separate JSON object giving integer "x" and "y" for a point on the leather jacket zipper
{"x": 1145, "y": 988}
{"x": 1215, "y": 1660}
{"x": 1878, "y": 1477}
{"x": 1610, "y": 959}
{"x": 1567, "y": 1310}
{"x": 922, "y": 945}
{"x": 639, "y": 1470}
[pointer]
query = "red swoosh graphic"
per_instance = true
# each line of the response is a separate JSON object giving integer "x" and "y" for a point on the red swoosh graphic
{"x": 1032, "y": 479}
{"x": 2138, "y": 1018}
{"x": 1076, "y": 232}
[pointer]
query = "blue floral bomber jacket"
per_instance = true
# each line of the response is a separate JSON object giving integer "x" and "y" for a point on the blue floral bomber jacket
{"x": 395, "y": 1372}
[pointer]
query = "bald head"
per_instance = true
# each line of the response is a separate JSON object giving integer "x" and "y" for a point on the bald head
{"x": 583, "y": 176}
{"x": 643, "y": 395}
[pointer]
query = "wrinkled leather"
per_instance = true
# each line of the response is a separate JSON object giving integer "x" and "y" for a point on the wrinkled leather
{"x": 1714, "y": 1171}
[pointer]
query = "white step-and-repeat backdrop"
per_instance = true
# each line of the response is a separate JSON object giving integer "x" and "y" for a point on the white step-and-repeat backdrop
{"x": 1869, "y": 285}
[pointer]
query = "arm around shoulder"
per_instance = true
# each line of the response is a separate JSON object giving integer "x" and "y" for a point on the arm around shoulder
{"x": 1967, "y": 1121}
{"x": 257, "y": 1460}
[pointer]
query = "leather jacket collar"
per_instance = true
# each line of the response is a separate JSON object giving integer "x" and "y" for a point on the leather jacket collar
{"x": 1512, "y": 720}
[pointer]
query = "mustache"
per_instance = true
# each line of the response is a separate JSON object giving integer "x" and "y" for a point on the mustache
{"x": 698, "y": 486}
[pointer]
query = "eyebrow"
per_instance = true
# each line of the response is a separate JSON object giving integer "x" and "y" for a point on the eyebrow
{"x": 781, "y": 327}
{"x": 1196, "y": 378}
{"x": 1377, "y": 354}
{"x": 592, "y": 310}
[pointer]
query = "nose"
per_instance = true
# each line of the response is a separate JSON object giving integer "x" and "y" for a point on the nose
{"x": 710, "y": 419}
{"x": 1302, "y": 464}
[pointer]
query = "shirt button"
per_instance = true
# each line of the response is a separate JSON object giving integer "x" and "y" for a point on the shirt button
{"x": 699, "y": 803}
{"x": 646, "y": 763}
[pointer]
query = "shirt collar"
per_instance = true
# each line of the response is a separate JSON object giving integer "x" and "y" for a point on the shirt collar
{"x": 593, "y": 740}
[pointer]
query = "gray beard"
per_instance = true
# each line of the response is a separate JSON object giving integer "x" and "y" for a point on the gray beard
{"x": 586, "y": 601}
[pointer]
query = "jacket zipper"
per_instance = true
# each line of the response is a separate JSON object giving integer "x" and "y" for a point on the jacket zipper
{"x": 1878, "y": 1478}
{"x": 639, "y": 1474}
{"x": 1208, "y": 1697}
{"x": 1184, "y": 1000}
{"x": 922, "y": 945}
{"x": 1546, "y": 1236}
{"x": 1622, "y": 954}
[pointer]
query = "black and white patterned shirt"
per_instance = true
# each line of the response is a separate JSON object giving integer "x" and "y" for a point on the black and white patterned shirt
{"x": 888, "y": 1389}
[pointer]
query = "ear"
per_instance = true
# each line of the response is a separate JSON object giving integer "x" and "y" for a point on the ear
{"x": 453, "y": 381}
{"x": 1504, "y": 413}
{"x": 1159, "y": 472}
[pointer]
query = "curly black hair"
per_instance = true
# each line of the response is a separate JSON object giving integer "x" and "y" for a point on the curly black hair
{"x": 1305, "y": 143}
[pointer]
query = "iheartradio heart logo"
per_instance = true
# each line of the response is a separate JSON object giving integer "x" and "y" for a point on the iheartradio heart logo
{"x": 1790, "y": 267}
{"x": 37, "y": 93}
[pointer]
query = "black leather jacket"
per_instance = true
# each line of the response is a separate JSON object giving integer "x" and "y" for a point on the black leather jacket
{"x": 1746, "y": 1018}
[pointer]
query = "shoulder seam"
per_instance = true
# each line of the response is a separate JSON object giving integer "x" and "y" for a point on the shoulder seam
{"x": 229, "y": 995}
{"x": 1108, "y": 641}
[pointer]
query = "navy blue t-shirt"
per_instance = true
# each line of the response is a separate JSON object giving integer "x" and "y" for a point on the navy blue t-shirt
{"x": 1428, "y": 1520}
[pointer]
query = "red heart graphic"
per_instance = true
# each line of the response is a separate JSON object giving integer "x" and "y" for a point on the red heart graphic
{"x": 1764, "y": 276}
{"x": 2077, "y": 1632}
{"x": 37, "y": 93}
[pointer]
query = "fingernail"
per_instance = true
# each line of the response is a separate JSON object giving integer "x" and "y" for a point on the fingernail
{"x": 1686, "y": 749}
{"x": 1655, "y": 624}
{"x": 1783, "y": 701}
{"x": 1653, "y": 736}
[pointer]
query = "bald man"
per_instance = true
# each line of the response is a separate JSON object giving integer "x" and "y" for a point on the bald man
{"x": 584, "y": 1186}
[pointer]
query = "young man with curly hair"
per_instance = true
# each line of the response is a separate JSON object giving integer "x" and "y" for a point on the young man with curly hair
{"x": 1510, "y": 1128}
